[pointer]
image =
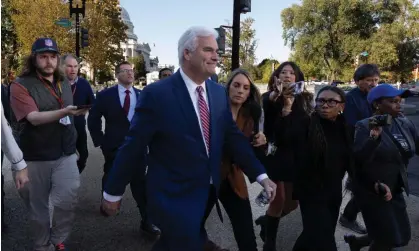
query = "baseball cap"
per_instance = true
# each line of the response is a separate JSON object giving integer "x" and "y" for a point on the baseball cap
{"x": 45, "y": 44}
{"x": 385, "y": 91}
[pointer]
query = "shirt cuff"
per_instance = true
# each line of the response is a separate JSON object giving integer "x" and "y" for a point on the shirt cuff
{"x": 111, "y": 198}
{"x": 19, "y": 165}
{"x": 261, "y": 177}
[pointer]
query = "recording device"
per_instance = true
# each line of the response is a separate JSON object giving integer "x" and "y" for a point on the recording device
{"x": 79, "y": 107}
{"x": 299, "y": 87}
{"x": 380, "y": 121}
{"x": 262, "y": 199}
{"x": 381, "y": 190}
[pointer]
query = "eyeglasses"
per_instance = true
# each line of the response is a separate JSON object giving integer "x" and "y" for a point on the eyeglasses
{"x": 329, "y": 102}
{"x": 127, "y": 70}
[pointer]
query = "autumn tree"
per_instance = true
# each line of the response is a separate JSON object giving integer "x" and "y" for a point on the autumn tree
{"x": 35, "y": 19}
{"x": 248, "y": 45}
{"x": 106, "y": 32}
{"x": 9, "y": 45}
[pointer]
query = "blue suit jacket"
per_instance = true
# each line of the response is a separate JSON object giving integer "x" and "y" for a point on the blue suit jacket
{"x": 108, "y": 105}
{"x": 83, "y": 95}
{"x": 179, "y": 169}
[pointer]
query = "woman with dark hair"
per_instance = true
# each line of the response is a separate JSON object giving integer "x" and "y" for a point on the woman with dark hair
{"x": 246, "y": 109}
{"x": 277, "y": 102}
{"x": 383, "y": 146}
{"x": 323, "y": 146}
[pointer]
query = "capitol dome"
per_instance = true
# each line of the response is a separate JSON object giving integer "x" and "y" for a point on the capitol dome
{"x": 127, "y": 21}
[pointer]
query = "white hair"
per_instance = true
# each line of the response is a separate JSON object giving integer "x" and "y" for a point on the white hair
{"x": 188, "y": 40}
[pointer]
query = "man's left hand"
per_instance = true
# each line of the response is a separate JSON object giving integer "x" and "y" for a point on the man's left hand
{"x": 270, "y": 188}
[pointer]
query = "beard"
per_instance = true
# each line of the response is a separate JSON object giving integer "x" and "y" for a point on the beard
{"x": 44, "y": 73}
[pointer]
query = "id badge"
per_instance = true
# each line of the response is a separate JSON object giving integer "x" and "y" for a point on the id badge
{"x": 65, "y": 121}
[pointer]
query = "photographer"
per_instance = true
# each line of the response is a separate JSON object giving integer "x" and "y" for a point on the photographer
{"x": 383, "y": 146}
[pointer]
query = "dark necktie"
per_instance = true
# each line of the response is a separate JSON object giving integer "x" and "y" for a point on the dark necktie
{"x": 204, "y": 116}
{"x": 127, "y": 102}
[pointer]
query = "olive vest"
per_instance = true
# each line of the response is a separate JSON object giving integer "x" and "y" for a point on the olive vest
{"x": 47, "y": 141}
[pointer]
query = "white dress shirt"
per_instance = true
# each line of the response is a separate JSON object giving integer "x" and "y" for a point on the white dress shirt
{"x": 191, "y": 86}
{"x": 9, "y": 145}
{"x": 133, "y": 99}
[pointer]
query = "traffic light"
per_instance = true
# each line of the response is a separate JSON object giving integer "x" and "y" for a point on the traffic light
{"x": 221, "y": 40}
{"x": 245, "y": 6}
{"x": 84, "y": 38}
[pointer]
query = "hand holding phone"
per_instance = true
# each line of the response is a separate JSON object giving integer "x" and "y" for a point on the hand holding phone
{"x": 79, "y": 107}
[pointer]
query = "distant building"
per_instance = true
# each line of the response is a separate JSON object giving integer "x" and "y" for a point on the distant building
{"x": 154, "y": 75}
{"x": 133, "y": 48}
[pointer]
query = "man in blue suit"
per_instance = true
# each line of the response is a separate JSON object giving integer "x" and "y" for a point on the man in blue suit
{"x": 186, "y": 122}
{"x": 117, "y": 106}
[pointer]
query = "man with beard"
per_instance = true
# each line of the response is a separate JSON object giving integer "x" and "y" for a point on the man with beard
{"x": 82, "y": 96}
{"x": 42, "y": 104}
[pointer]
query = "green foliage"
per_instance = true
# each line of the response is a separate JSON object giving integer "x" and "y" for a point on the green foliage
{"x": 9, "y": 45}
{"x": 139, "y": 66}
{"x": 28, "y": 20}
{"x": 248, "y": 45}
{"x": 328, "y": 35}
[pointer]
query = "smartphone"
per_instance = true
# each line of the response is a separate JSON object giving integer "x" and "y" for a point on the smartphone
{"x": 84, "y": 107}
{"x": 299, "y": 87}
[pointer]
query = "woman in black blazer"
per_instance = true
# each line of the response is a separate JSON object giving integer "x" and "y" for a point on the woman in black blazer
{"x": 383, "y": 153}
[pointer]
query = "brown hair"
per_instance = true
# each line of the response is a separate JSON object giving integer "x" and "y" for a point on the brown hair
{"x": 29, "y": 67}
{"x": 118, "y": 66}
{"x": 253, "y": 104}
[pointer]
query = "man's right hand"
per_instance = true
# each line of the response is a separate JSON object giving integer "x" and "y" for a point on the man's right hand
{"x": 72, "y": 110}
{"x": 376, "y": 132}
{"x": 110, "y": 208}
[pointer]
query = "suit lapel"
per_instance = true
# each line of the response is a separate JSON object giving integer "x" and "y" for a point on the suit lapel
{"x": 212, "y": 104}
{"x": 184, "y": 99}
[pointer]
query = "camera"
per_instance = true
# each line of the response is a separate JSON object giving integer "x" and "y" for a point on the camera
{"x": 380, "y": 120}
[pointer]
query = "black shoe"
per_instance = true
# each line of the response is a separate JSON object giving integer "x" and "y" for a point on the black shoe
{"x": 271, "y": 230}
{"x": 150, "y": 229}
{"x": 261, "y": 222}
{"x": 356, "y": 243}
{"x": 352, "y": 225}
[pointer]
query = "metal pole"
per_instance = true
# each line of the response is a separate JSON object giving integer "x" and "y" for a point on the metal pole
{"x": 77, "y": 35}
{"x": 77, "y": 11}
{"x": 235, "y": 50}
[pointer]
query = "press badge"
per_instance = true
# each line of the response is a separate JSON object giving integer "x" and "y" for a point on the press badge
{"x": 65, "y": 121}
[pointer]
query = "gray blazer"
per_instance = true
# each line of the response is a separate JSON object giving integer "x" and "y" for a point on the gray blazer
{"x": 380, "y": 159}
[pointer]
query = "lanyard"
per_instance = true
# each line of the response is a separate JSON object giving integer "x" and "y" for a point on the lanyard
{"x": 54, "y": 92}
{"x": 75, "y": 87}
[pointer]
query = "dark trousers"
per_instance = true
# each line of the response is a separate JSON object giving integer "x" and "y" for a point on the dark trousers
{"x": 320, "y": 214}
{"x": 240, "y": 213}
{"x": 352, "y": 209}
{"x": 81, "y": 145}
{"x": 137, "y": 183}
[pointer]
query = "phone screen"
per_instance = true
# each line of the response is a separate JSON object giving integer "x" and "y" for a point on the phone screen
{"x": 299, "y": 87}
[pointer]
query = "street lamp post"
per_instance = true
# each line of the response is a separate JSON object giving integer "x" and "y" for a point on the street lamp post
{"x": 77, "y": 10}
{"x": 235, "y": 48}
{"x": 240, "y": 6}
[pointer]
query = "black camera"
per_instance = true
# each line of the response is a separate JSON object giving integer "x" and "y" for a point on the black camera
{"x": 380, "y": 120}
